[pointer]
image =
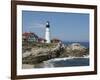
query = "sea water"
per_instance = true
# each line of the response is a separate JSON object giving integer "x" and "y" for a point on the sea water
{"x": 64, "y": 62}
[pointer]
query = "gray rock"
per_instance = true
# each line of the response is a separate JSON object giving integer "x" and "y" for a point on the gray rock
{"x": 75, "y": 50}
{"x": 40, "y": 54}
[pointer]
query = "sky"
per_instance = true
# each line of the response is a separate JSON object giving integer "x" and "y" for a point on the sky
{"x": 63, "y": 26}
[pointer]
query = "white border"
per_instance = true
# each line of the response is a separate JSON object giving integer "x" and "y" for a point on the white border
{"x": 21, "y": 71}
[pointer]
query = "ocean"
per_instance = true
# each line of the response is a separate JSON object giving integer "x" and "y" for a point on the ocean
{"x": 64, "y": 62}
{"x": 72, "y": 62}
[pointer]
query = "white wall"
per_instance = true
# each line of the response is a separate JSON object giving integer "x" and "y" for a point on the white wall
{"x": 5, "y": 31}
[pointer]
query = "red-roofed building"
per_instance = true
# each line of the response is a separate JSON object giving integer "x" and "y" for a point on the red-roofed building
{"x": 41, "y": 40}
{"x": 55, "y": 40}
{"x": 29, "y": 37}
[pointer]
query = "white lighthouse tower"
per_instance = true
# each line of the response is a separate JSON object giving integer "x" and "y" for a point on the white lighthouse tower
{"x": 47, "y": 33}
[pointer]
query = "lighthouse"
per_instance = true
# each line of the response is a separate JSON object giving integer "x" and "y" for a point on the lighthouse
{"x": 47, "y": 32}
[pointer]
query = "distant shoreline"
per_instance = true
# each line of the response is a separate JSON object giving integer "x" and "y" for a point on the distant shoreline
{"x": 86, "y": 44}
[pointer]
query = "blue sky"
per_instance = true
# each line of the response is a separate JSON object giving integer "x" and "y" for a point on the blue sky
{"x": 64, "y": 26}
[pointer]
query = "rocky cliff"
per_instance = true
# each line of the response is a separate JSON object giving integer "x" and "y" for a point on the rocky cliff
{"x": 38, "y": 54}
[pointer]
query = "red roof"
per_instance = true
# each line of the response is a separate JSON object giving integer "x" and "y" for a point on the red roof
{"x": 55, "y": 39}
{"x": 27, "y": 34}
{"x": 40, "y": 39}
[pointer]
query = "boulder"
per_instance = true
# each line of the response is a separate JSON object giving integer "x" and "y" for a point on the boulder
{"x": 75, "y": 50}
{"x": 39, "y": 54}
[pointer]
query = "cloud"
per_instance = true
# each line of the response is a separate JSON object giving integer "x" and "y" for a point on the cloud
{"x": 36, "y": 25}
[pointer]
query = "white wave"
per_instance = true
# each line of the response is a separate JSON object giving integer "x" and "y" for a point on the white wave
{"x": 51, "y": 63}
{"x": 59, "y": 59}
